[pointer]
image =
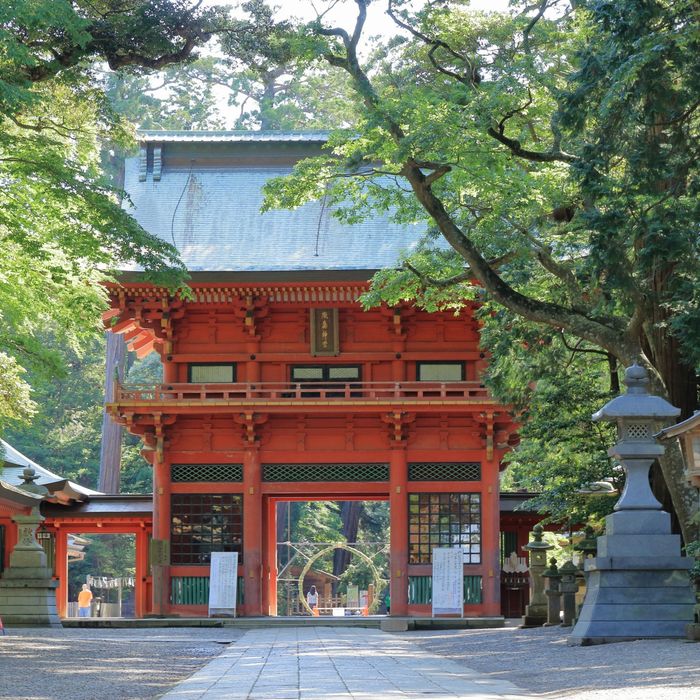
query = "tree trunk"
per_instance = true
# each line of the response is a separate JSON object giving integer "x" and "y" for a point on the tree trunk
{"x": 350, "y": 513}
{"x": 111, "y": 449}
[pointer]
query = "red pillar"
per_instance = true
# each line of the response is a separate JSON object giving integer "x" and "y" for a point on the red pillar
{"x": 398, "y": 514}
{"x": 270, "y": 564}
{"x": 61, "y": 570}
{"x": 141, "y": 574}
{"x": 252, "y": 532}
{"x": 161, "y": 531}
{"x": 490, "y": 546}
{"x": 170, "y": 372}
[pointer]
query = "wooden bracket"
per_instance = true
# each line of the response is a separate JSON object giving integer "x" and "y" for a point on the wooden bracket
{"x": 398, "y": 423}
{"x": 251, "y": 422}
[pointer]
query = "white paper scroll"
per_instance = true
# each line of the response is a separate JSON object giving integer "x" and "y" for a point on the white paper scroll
{"x": 448, "y": 581}
{"x": 223, "y": 583}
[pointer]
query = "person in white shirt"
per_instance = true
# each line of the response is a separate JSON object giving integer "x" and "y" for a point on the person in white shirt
{"x": 312, "y": 598}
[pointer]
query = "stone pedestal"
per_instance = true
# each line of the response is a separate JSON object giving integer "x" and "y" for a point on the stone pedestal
{"x": 28, "y": 603}
{"x": 27, "y": 591}
{"x": 638, "y": 585}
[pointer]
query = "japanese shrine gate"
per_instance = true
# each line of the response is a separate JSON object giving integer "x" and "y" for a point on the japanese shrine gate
{"x": 278, "y": 386}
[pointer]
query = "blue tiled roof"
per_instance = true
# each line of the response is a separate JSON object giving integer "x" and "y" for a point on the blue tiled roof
{"x": 211, "y": 211}
{"x": 186, "y": 136}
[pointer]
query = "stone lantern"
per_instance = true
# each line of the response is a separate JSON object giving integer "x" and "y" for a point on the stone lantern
{"x": 638, "y": 584}
{"x": 536, "y": 610}
{"x": 27, "y": 589}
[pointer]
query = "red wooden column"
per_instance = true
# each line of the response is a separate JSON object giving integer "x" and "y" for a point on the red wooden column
{"x": 169, "y": 373}
{"x": 490, "y": 546}
{"x": 61, "y": 570}
{"x": 141, "y": 573}
{"x": 161, "y": 531}
{"x": 270, "y": 564}
{"x": 398, "y": 519}
{"x": 252, "y": 532}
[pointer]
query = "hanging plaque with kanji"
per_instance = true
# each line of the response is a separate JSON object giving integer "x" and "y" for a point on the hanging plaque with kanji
{"x": 324, "y": 332}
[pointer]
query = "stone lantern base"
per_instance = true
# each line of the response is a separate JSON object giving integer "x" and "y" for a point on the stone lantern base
{"x": 638, "y": 585}
{"x": 28, "y": 602}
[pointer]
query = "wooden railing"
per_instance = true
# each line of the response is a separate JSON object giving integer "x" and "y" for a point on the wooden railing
{"x": 276, "y": 391}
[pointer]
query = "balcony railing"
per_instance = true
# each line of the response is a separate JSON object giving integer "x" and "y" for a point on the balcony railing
{"x": 278, "y": 391}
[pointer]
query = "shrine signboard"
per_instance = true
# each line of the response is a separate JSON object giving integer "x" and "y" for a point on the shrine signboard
{"x": 223, "y": 584}
{"x": 448, "y": 581}
{"x": 324, "y": 332}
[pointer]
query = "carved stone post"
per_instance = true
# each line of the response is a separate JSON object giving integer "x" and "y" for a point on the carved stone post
{"x": 536, "y": 611}
{"x": 569, "y": 586}
{"x": 553, "y": 592}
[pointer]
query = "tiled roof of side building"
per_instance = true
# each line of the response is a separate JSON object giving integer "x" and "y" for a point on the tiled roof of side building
{"x": 13, "y": 464}
{"x": 204, "y": 195}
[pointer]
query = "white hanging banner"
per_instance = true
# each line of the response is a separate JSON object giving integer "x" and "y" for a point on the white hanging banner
{"x": 448, "y": 581}
{"x": 223, "y": 584}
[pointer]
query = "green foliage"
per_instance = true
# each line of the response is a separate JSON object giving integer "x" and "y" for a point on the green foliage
{"x": 15, "y": 401}
{"x": 556, "y": 151}
{"x": 65, "y": 434}
{"x": 62, "y": 229}
{"x": 179, "y": 97}
{"x": 112, "y": 556}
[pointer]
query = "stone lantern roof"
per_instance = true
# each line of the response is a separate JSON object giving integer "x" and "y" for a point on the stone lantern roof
{"x": 637, "y": 402}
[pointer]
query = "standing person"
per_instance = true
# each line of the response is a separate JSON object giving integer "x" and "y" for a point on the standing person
{"x": 312, "y": 599}
{"x": 84, "y": 601}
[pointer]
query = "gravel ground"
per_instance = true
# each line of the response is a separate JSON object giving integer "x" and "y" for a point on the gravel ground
{"x": 104, "y": 664}
{"x": 539, "y": 661}
{"x": 123, "y": 664}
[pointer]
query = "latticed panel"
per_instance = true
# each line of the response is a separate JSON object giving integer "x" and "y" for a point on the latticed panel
{"x": 194, "y": 590}
{"x": 444, "y": 471}
{"x": 420, "y": 590}
{"x": 206, "y": 472}
{"x": 638, "y": 431}
{"x": 373, "y": 471}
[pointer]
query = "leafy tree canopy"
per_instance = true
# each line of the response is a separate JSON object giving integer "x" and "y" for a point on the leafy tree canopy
{"x": 554, "y": 149}
{"x": 62, "y": 229}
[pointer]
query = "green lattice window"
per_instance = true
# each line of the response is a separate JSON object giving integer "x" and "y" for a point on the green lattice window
{"x": 187, "y": 473}
{"x": 202, "y": 523}
{"x": 444, "y": 520}
{"x": 444, "y": 471}
{"x": 420, "y": 590}
{"x": 194, "y": 590}
{"x": 326, "y": 472}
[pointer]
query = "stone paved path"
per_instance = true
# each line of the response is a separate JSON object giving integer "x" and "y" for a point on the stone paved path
{"x": 335, "y": 664}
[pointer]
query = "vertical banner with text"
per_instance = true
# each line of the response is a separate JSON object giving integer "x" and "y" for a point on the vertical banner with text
{"x": 223, "y": 584}
{"x": 324, "y": 332}
{"x": 448, "y": 581}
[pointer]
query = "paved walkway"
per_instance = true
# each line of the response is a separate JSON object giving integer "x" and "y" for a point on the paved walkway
{"x": 335, "y": 664}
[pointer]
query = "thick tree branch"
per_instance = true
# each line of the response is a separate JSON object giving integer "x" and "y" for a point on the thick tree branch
{"x": 439, "y": 172}
{"x": 605, "y": 333}
{"x": 470, "y": 80}
{"x": 536, "y": 156}
{"x": 531, "y": 25}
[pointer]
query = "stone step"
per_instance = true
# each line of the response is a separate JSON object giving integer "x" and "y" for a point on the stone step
{"x": 374, "y": 622}
{"x": 639, "y": 613}
{"x": 673, "y": 595}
